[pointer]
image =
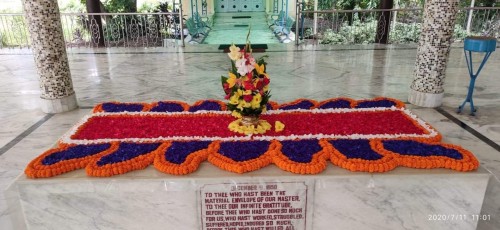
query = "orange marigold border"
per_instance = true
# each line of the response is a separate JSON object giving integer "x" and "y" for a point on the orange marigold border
{"x": 139, "y": 162}
{"x": 384, "y": 164}
{"x": 467, "y": 163}
{"x": 190, "y": 165}
{"x": 36, "y": 169}
{"x": 317, "y": 164}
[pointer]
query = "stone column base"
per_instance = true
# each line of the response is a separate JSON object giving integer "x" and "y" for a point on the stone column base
{"x": 430, "y": 100}
{"x": 59, "y": 105}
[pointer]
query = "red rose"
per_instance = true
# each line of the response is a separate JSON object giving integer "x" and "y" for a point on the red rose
{"x": 248, "y": 85}
{"x": 266, "y": 81}
{"x": 248, "y": 98}
{"x": 227, "y": 90}
{"x": 260, "y": 84}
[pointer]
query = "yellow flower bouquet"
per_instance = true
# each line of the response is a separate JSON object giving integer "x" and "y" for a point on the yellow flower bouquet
{"x": 247, "y": 89}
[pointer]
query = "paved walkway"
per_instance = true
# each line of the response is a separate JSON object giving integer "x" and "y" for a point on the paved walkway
{"x": 227, "y": 30}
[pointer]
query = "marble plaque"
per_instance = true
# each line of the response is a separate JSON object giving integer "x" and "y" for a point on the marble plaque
{"x": 254, "y": 206}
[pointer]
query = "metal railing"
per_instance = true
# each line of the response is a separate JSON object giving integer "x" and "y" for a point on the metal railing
{"x": 13, "y": 31}
{"x": 397, "y": 25}
{"x": 321, "y": 27}
{"x": 102, "y": 29}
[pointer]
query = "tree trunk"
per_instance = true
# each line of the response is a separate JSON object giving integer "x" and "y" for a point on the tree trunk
{"x": 384, "y": 22}
{"x": 95, "y": 23}
{"x": 133, "y": 6}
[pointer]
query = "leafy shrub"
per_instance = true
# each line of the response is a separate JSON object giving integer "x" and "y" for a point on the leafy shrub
{"x": 357, "y": 33}
{"x": 405, "y": 33}
{"x": 72, "y": 6}
{"x": 364, "y": 33}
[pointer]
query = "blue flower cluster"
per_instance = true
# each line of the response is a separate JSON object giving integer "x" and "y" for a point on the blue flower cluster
{"x": 376, "y": 104}
{"x": 353, "y": 149}
{"x": 414, "y": 148}
{"x": 300, "y": 151}
{"x": 74, "y": 152}
{"x": 167, "y": 107}
{"x": 336, "y": 104}
{"x": 178, "y": 151}
{"x": 127, "y": 151}
{"x": 206, "y": 105}
{"x": 111, "y": 107}
{"x": 269, "y": 106}
{"x": 243, "y": 150}
{"x": 301, "y": 105}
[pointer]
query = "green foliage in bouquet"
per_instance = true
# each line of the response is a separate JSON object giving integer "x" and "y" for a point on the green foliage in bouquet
{"x": 247, "y": 86}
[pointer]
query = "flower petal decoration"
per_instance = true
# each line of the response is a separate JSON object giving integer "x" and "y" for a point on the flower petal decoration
{"x": 74, "y": 152}
{"x": 360, "y": 155}
{"x": 66, "y": 158}
{"x": 299, "y": 104}
{"x": 177, "y": 140}
{"x": 417, "y": 154}
{"x": 279, "y": 126}
{"x": 301, "y": 156}
{"x": 356, "y": 149}
{"x": 209, "y": 105}
{"x": 243, "y": 150}
{"x": 271, "y": 105}
{"x": 182, "y": 157}
{"x": 114, "y": 107}
{"x": 336, "y": 103}
{"x": 379, "y": 102}
{"x": 300, "y": 151}
{"x": 179, "y": 151}
{"x": 169, "y": 106}
{"x": 128, "y": 157}
{"x": 242, "y": 156}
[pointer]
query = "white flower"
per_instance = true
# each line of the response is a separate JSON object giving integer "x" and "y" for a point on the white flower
{"x": 234, "y": 53}
{"x": 242, "y": 67}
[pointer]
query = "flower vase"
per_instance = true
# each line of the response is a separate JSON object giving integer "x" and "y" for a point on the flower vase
{"x": 249, "y": 125}
{"x": 249, "y": 120}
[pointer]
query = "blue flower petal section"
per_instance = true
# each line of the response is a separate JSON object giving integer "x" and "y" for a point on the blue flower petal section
{"x": 178, "y": 151}
{"x": 206, "y": 105}
{"x": 376, "y": 104}
{"x": 243, "y": 150}
{"x": 74, "y": 152}
{"x": 301, "y": 105}
{"x": 167, "y": 107}
{"x": 356, "y": 149}
{"x": 269, "y": 106}
{"x": 127, "y": 151}
{"x": 414, "y": 148}
{"x": 300, "y": 151}
{"x": 117, "y": 107}
{"x": 336, "y": 104}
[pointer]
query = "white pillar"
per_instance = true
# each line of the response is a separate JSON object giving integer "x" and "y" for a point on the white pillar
{"x": 432, "y": 54}
{"x": 49, "y": 50}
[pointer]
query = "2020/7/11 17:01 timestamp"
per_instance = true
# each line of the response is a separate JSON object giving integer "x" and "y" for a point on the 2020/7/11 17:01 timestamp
{"x": 453, "y": 217}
